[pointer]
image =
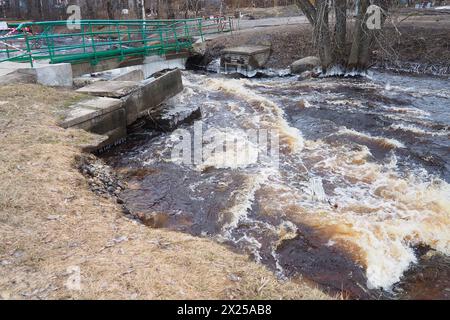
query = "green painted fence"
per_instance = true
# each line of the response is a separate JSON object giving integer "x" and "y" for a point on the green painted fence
{"x": 96, "y": 40}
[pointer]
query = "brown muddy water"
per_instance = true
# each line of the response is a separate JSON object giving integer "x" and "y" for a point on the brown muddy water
{"x": 379, "y": 145}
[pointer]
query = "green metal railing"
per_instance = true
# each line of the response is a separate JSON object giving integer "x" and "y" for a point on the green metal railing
{"x": 96, "y": 40}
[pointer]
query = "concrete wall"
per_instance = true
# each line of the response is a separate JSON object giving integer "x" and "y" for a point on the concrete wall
{"x": 138, "y": 97}
{"x": 119, "y": 104}
{"x": 151, "y": 94}
{"x": 103, "y": 116}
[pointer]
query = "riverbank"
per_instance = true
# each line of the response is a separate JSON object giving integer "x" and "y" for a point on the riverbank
{"x": 53, "y": 226}
{"x": 418, "y": 44}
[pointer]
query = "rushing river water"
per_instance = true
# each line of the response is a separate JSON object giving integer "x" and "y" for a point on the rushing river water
{"x": 379, "y": 146}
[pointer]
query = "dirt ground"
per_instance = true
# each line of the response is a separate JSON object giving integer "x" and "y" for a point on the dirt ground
{"x": 277, "y": 11}
{"x": 416, "y": 39}
{"x": 419, "y": 39}
{"x": 52, "y": 226}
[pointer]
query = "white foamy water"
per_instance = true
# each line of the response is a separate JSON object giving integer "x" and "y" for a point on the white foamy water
{"x": 408, "y": 111}
{"x": 228, "y": 148}
{"x": 243, "y": 199}
{"x": 380, "y": 214}
{"x": 416, "y": 130}
{"x": 376, "y": 211}
{"x": 273, "y": 115}
{"x": 382, "y": 141}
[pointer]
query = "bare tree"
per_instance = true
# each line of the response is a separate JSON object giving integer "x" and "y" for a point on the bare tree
{"x": 330, "y": 38}
{"x": 192, "y": 6}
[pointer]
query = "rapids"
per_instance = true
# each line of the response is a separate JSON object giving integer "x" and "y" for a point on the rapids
{"x": 351, "y": 192}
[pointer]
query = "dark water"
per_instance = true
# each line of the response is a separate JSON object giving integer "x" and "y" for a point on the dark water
{"x": 379, "y": 146}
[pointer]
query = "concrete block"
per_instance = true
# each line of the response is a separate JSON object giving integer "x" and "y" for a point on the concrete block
{"x": 155, "y": 64}
{"x": 112, "y": 122}
{"x": 14, "y": 72}
{"x": 55, "y": 75}
{"x": 102, "y": 116}
{"x": 170, "y": 117}
{"x": 245, "y": 57}
{"x": 112, "y": 89}
{"x": 151, "y": 94}
{"x": 131, "y": 75}
{"x": 133, "y": 103}
{"x": 89, "y": 109}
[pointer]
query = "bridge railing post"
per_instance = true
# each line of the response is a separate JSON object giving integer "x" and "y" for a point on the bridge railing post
{"x": 119, "y": 38}
{"x": 200, "y": 26}
{"x": 8, "y": 54}
{"x": 94, "y": 49}
{"x": 161, "y": 38}
{"x": 83, "y": 37}
{"x": 30, "y": 54}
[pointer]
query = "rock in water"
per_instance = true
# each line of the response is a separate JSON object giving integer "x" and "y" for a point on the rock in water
{"x": 305, "y": 64}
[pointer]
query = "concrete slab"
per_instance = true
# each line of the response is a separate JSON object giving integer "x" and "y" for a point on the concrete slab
{"x": 112, "y": 89}
{"x": 108, "y": 116}
{"x": 151, "y": 94}
{"x": 102, "y": 116}
{"x": 88, "y": 110}
{"x": 134, "y": 73}
{"x": 112, "y": 124}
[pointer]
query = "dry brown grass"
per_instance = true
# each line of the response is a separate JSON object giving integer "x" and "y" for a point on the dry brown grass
{"x": 50, "y": 221}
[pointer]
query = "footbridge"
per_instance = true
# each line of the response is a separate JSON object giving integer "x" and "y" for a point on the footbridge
{"x": 97, "y": 45}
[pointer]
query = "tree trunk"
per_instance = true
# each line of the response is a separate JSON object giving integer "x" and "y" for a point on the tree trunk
{"x": 322, "y": 35}
{"x": 359, "y": 54}
{"x": 309, "y": 10}
{"x": 341, "y": 32}
{"x": 110, "y": 10}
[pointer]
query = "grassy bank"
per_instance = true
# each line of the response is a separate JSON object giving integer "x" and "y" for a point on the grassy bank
{"x": 51, "y": 224}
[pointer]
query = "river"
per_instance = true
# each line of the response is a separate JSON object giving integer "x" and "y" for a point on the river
{"x": 346, "y": 185}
